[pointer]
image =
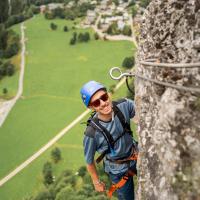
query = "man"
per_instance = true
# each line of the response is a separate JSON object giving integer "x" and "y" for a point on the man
{"x": 108, "y": 133}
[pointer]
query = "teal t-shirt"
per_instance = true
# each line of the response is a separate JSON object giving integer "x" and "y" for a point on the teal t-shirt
{"x": 122, "y": 147}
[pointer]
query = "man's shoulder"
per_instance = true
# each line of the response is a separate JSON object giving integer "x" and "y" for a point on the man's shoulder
{"x": 90, "y": 131}
{"x": 119, "y": 101}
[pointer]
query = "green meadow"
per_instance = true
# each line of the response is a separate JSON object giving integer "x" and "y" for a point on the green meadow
{"x": 54, "y": 74}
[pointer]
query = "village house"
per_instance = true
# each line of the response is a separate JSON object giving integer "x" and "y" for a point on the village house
{"x": 70, "y": 4}
{"x": 125, "y": 16}
{"x": 90, "y": 18}
{"x": 52, "y": 6}
{"x": 120, "y": 25}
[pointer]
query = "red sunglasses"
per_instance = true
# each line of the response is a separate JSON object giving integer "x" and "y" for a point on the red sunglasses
{"x": 97, "y": 102}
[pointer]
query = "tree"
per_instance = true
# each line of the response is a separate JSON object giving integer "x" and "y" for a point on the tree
{"x": 56, "y": 154}
{"x": 134, "y": 11}
{"x": 127, "y": 30}
{"x": 47, "y": 173}
{"x": 81, "y": 37}
{"x": 72, "y": 41}
{"x": 5, "y": 91}
{"x": 53, "y": 26}
{"x": 65, "y": 29}
{"x": 4, "y": 7}
{"x": 128, "y": 62}
{"x": 10, "y": 69}
{"x": 113, "y": 29}
{"x": 11, "y": 50}
{"x": 75, "y": 35}
{"x": 86, "y": 37}
{"x": 17, "y": 6}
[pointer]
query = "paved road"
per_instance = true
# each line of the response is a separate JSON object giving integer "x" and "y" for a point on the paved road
{"x": 43, "y": 149}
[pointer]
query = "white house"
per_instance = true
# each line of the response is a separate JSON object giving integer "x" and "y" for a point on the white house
{"x": 120, "y": 24}
{"x": 53, "y": 6}
{"x": 120, "y": 8}
{"x": 125, "y": 16}
{"x": 91, "y": 16}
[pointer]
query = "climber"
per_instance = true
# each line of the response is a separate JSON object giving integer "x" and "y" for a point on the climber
{"x": 108, "y": 132}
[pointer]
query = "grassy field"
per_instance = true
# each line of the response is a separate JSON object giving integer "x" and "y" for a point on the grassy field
{"x": 54, "y": 73}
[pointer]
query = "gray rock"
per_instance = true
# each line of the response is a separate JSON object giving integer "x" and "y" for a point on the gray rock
{"x": 169, "y": 119}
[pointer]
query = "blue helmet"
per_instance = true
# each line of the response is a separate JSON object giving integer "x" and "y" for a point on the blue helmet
{"x": 89, "y": 89}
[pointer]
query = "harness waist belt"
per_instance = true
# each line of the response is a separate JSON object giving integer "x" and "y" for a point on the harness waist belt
{"x": 133, "y": 156}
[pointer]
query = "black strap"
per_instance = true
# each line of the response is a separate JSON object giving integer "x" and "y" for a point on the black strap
{"x": 120, "y": 115}
{"x": 109, "y": 139}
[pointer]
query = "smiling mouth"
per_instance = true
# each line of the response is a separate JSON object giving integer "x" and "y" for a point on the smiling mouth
{"x": 106, "y": 108}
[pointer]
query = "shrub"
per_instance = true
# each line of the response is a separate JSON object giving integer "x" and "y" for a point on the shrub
{"x": 72, "y": 41}
{"x": 113, "y": 29}
{"x": 5, "y": 91}
{"x": 128, "y": 62}
{"x": 86, "y": 37}
{"x": 81, "y": 37}
{"x": 53, "y": 26}
{"x": 127, "y": 30}
{"x": 134, "y": 11}
{"x": 65, "y": 29}
{"x": 56, "y": 155}
{"x": 47, "y": 173}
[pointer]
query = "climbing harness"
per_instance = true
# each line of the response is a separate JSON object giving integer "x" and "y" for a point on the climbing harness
{"x": 121, "y": 183}
{"x": 179, "y": 87}
{"x": 129, "y": 173}
{"x": 94, "y": 123}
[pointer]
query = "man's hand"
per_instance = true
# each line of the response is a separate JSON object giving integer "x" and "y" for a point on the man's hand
{"x": 99, "y": 186}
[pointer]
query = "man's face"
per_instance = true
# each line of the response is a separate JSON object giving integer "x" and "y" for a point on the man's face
{"x": 101, "y": 103}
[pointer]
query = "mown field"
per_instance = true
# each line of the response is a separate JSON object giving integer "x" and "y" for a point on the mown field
{"x": 54, "y": 73}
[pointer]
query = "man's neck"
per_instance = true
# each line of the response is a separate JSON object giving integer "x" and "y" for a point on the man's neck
{"x": 105, "y": 118}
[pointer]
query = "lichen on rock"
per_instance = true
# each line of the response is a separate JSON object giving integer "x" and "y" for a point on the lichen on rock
{"x": 169, "y": 119}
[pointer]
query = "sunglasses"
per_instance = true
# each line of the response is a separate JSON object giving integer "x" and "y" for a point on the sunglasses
{"x": 97, "y": 102}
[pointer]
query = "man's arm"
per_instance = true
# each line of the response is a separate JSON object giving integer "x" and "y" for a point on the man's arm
{"x": 99, "y": 186}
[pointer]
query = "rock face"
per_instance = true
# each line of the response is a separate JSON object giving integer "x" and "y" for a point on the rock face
{"x": 169, "y": 119}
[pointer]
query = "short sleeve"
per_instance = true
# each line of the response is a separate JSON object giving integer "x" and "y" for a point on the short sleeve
{"x": 89, "y": 145}
{"x": 131, "y": 108}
